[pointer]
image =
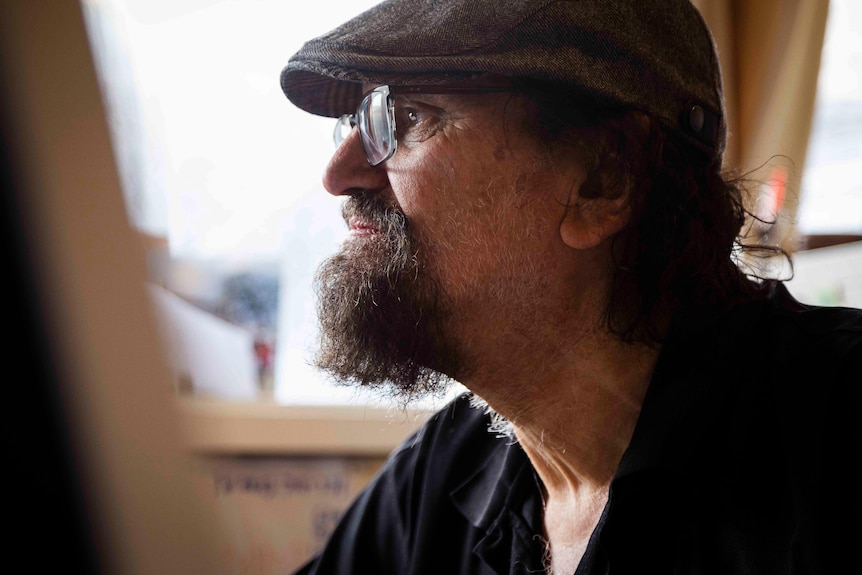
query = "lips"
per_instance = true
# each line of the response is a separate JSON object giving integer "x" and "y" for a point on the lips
{"x": 372, "y": 214}
{"x": 362, "y": 227}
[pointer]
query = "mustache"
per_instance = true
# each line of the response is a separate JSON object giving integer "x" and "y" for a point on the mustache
{"x": 373, "y": 209}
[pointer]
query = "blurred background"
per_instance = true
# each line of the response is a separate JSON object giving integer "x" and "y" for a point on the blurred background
{"x": 222, "y": 174}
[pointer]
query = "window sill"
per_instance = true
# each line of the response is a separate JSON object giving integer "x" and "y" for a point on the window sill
{"x": 218, "y": 427}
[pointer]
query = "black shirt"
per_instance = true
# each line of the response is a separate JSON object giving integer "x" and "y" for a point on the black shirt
{"x": 743, "y": 460}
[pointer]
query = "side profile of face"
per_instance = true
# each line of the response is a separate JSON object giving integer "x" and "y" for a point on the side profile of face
{"x": 455, "y": 243}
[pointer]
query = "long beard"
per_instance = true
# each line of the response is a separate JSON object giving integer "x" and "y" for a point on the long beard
{"x": 380, "y": 314}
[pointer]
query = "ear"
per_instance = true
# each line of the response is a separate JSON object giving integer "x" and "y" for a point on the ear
{"x": 589, "y": 221}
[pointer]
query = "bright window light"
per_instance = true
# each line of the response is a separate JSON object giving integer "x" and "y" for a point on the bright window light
{"x": 217, "y": 163}
{"x": 831, "y": 189}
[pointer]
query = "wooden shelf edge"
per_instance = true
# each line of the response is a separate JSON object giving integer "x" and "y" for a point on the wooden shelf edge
{"x": 213, "y": 427}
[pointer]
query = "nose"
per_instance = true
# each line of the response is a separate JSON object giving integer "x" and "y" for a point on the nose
{"x": 349, "y": 172}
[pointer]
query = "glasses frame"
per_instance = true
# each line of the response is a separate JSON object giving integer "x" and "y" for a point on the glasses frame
{"x": 363, "y": 120}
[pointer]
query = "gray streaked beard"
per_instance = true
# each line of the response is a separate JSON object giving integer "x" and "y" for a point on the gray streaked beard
{"x": 379, "y": 311}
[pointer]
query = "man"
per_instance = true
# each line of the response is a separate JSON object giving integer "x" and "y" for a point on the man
{"x": 537, "y": 210}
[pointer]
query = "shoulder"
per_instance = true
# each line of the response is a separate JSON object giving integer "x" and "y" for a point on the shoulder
{"x": 776, "y": 365}
{"x": 453, "y": 441}
{"x": 771, "y": 340}
{"x": 810, "y": 361}
{"x": 820, "y": 343}
{"x": 452, "y": 445}
{"x": 381, "y": 531}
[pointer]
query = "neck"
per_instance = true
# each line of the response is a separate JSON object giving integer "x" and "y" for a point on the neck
{"x": 571, "y": 389}
{"x": 575, "y": 416}
{"x": 574, "y": 419}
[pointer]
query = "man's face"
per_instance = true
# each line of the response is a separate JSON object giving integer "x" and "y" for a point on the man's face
{"x": 454, "y": 243}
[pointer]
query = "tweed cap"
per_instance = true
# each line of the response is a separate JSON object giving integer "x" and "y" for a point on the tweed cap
{"x": 656, "y": 56}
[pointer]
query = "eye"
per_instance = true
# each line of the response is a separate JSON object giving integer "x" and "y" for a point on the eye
{"x": 415, "y": 121}
{"x": 407, "y": 117}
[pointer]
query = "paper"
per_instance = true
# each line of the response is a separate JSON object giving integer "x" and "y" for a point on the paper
{"x": 276, "y": 513}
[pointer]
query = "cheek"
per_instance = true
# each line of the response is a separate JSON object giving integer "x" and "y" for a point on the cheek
{"x": 479, "y": 224}
{"x": 442, "y": 195}
{"x": 494, "y": 240}
{"x": 417, "y": 181}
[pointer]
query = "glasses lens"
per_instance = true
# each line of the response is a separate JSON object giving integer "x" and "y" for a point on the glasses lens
{"x": 343, "y": 127}
{"x": 377, "y": 126}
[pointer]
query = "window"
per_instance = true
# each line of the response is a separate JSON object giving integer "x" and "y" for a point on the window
{"x": 222, "y": 174}
{"x": 831, "y": 202}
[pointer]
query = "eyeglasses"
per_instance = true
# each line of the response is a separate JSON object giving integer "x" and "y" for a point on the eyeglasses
{"x": 375, "y": 117}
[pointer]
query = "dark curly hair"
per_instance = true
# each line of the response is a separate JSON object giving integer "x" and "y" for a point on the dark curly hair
{"x": 678, "y": 256}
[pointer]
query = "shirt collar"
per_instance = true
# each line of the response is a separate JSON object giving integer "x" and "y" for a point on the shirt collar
{"x": 503, "y": 500}
{"x": 505, "y": 471}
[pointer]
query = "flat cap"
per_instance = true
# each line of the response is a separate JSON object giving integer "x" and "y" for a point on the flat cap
{"x": 656, "y": 56}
